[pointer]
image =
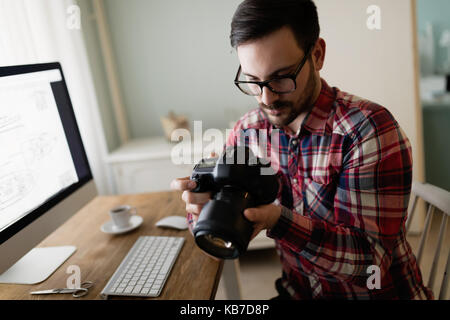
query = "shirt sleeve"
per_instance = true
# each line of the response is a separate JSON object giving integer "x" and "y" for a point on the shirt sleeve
{"x": 372, "y": 192}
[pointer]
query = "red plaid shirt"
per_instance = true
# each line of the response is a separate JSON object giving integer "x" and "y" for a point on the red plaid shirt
{"x": 346, "y": 181}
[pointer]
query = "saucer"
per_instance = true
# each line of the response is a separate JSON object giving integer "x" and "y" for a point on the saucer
{"x": 109, "y": 227}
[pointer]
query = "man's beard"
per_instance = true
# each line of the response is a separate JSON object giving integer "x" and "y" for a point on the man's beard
{"x": 291, "y": 110}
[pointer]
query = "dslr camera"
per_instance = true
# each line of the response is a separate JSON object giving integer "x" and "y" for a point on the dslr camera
{"x": 237, "y": 180}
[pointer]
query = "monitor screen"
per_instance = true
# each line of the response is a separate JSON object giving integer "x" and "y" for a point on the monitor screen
{"x": 42, "y": 159}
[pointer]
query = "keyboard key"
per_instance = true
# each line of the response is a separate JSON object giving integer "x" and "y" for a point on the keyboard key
{"x": 165, "y": 267}
{"x": 157, "y": 282}
{"x": 156, "y": 286}
{"x": 128, "y": 289}
{"x": 137, "y": 289}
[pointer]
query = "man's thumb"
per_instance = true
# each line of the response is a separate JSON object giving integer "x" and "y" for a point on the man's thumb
{"x": 250, "y": 213}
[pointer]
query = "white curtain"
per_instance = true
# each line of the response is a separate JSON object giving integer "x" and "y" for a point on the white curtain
{"x": 36, "y": 31}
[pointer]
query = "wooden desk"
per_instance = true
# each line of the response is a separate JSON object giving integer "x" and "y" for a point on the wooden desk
{"x": 194, "y": 275}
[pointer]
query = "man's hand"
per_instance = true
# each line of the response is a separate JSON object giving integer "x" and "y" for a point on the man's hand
{"x": 194, "y": 201}
{"x": 263, "y": 217}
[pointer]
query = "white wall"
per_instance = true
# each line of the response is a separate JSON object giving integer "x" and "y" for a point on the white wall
{"x": 175, "y": 55}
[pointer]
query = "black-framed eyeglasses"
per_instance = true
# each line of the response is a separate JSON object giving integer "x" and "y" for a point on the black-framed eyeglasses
{"x": 279, "y": 85}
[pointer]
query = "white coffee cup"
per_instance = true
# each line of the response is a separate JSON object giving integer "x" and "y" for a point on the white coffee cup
{"x": 121, "y": 215}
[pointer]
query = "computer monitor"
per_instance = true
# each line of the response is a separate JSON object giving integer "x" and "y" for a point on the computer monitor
{"x": 44, "y": 172}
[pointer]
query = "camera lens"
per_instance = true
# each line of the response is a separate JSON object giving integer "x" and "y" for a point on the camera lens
{"x": 216, "y": 245}
{"x": 221, "y": 229}
{"x": 216, "y": 241}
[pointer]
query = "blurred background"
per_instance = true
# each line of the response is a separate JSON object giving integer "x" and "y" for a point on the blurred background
{"x": 433, "y": 27}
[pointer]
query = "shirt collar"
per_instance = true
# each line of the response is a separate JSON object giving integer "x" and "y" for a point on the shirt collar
{"x": 316, "y": 121}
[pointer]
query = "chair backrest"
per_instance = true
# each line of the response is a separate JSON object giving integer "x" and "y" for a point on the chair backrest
{"x": 434, "y": 197}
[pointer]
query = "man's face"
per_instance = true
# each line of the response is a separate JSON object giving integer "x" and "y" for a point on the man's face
{"x": 275, "y": 55}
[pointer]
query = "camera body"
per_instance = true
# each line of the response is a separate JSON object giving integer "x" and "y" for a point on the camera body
{"x": 237, "y": 180}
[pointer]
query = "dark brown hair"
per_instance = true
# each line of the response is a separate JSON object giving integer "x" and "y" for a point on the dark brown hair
{"x": 255, "y": 19}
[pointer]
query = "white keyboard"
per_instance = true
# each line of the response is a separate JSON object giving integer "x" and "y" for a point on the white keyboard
{"x": 145, "y": 268}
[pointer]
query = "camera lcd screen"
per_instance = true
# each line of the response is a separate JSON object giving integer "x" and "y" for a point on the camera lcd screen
{"x": 207, "y": 163}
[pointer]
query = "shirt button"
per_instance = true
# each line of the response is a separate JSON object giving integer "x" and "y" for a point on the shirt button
{"x": 295, "y": 180}
{"x": 294, "y": 142}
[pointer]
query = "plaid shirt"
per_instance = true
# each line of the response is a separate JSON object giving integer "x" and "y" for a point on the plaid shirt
{"x": 345, "y": 186}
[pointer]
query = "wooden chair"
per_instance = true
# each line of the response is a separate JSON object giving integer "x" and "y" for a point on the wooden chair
{"x": 434, "y": 197}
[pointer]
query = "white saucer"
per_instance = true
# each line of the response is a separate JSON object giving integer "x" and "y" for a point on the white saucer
{"x": 109, "y": 227}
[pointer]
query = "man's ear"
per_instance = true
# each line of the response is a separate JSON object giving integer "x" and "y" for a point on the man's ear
{"x": 318, "y": 54}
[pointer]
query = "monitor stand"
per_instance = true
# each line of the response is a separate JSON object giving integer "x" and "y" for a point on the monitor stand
{"x": 37, "y": 265}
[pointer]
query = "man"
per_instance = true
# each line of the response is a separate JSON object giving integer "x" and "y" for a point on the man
{"x": 345, "y": 165}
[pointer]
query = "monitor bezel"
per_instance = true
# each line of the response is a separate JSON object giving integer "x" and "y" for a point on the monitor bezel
{"x": 28, "y": 219}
